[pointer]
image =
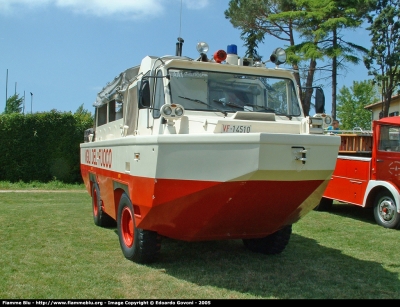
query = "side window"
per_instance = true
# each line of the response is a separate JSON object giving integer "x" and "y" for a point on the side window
{"x": 118, "y": 110}
{"x": 159, "y": 98}
{"x": 102, "y": 115}
{"x": 383, "y": 138}
{"x": 390, "y": 138}
{"x": 111, "y": 111}
{"x": 114, "y": 110}
{"x": 145, "y": 95}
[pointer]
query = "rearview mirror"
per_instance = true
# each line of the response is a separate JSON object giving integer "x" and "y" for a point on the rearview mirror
{"x": 319, "y": 100}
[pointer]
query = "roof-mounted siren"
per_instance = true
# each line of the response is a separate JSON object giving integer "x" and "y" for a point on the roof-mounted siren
{"x": 232, "y": 57}
{"x": 278, "y": 56}
{"x": 220, "y": 56}
{"x": 179, "y": 46}
{"x": 202, "y": 48}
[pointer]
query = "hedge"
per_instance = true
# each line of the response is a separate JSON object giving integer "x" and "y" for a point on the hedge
{"x": 42, "y": 146}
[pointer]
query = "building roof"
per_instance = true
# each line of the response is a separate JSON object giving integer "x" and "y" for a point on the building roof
{"x": 372, "y": 105}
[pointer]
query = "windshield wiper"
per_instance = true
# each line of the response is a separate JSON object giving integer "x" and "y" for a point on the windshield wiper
{"x": 261, "y": 107}
{"x": 229, "y": 104}
{"x": 202, "y": 102}
{"x": 269, "y": 109}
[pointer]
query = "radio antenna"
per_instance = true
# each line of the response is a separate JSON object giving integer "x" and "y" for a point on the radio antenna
{"x": 180, "y": 40}
{"x": 180, "y": 21}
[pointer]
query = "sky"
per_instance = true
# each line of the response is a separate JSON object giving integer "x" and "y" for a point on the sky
{"x": 59, "y": 54}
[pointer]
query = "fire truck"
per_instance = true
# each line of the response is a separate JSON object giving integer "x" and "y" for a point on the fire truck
{"x": 367, "y": 172}
{"x": 205, "y": 148}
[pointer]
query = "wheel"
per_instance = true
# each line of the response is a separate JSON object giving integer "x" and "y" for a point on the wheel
{"x": 138, "y": 245}
{"x": 385, "y": 211}
{"x": 325, "y": 204}
{"x": 272, "y": 244}
{"x": 100, "y": 218}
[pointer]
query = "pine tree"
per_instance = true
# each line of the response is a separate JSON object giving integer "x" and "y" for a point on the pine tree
{"x": 14, "y": 104}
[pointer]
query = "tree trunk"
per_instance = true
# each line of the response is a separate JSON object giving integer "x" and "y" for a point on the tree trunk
{"x": 334, "y": 75}
{"x": 309, "y": 90}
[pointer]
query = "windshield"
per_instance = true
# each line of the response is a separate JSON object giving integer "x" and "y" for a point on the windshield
{"x": 225, "y": 92}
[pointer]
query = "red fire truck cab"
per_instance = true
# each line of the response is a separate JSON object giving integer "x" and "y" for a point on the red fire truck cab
{"x": 367, "y": 172}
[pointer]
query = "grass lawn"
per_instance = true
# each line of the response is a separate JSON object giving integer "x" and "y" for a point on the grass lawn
{"x": 51, "y": 249}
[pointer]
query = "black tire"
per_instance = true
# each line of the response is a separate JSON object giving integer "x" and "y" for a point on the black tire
{"x": 138, "y": 245}
{"x": 100, "y": 218}
{"x": 325, "y": 204}
{"x": 272, "y": 244}
{"x": 385, "y": 211}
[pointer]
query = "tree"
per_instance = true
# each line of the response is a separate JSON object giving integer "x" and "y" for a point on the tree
{"x": 383, "y": 60}
{"x": 351, "y": 103}
{"x": 257, "y": 18}
{"x": 82, "y": 111}
{"x": 341, "y": 14}
{"x": 14, "y": 104}
{"x": 83, "y": 115}
{"x": 251, "y": 39}
{"x": 316, "y": 22}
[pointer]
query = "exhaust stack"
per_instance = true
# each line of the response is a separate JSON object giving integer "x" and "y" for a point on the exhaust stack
{"x": 179, "y": 46}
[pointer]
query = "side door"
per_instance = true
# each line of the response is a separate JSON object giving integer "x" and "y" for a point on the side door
{"x": 387, "y": 159}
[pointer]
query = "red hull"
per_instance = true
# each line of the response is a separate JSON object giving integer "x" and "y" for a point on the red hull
{"x": 203, "y": 210}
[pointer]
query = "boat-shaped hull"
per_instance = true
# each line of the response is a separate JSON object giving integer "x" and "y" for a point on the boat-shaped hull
{"x": 208, "y": 187}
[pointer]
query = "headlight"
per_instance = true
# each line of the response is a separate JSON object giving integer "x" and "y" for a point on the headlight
{"x": 202, "y": 47}
{"x": 167, "y": 110}
{"x": 328, "y": 120}
{"x": 179, "y": 111}
{"x": 172, "y": 111}
{"x": 278, "y": 56}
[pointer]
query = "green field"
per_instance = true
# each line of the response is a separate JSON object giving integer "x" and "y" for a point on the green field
{"x": 51, "y": 249}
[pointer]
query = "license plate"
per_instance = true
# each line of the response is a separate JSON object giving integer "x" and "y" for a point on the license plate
{"x": 236, "y": 129}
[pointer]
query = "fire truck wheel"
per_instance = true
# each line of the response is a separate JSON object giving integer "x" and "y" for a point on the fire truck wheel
{"x": 325, "y": 204}
{"x": 385, "y": 211}
{"x": 272, "y": 244}
{"x": 100, "y": 218}
{"x": 138, "y": 245}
